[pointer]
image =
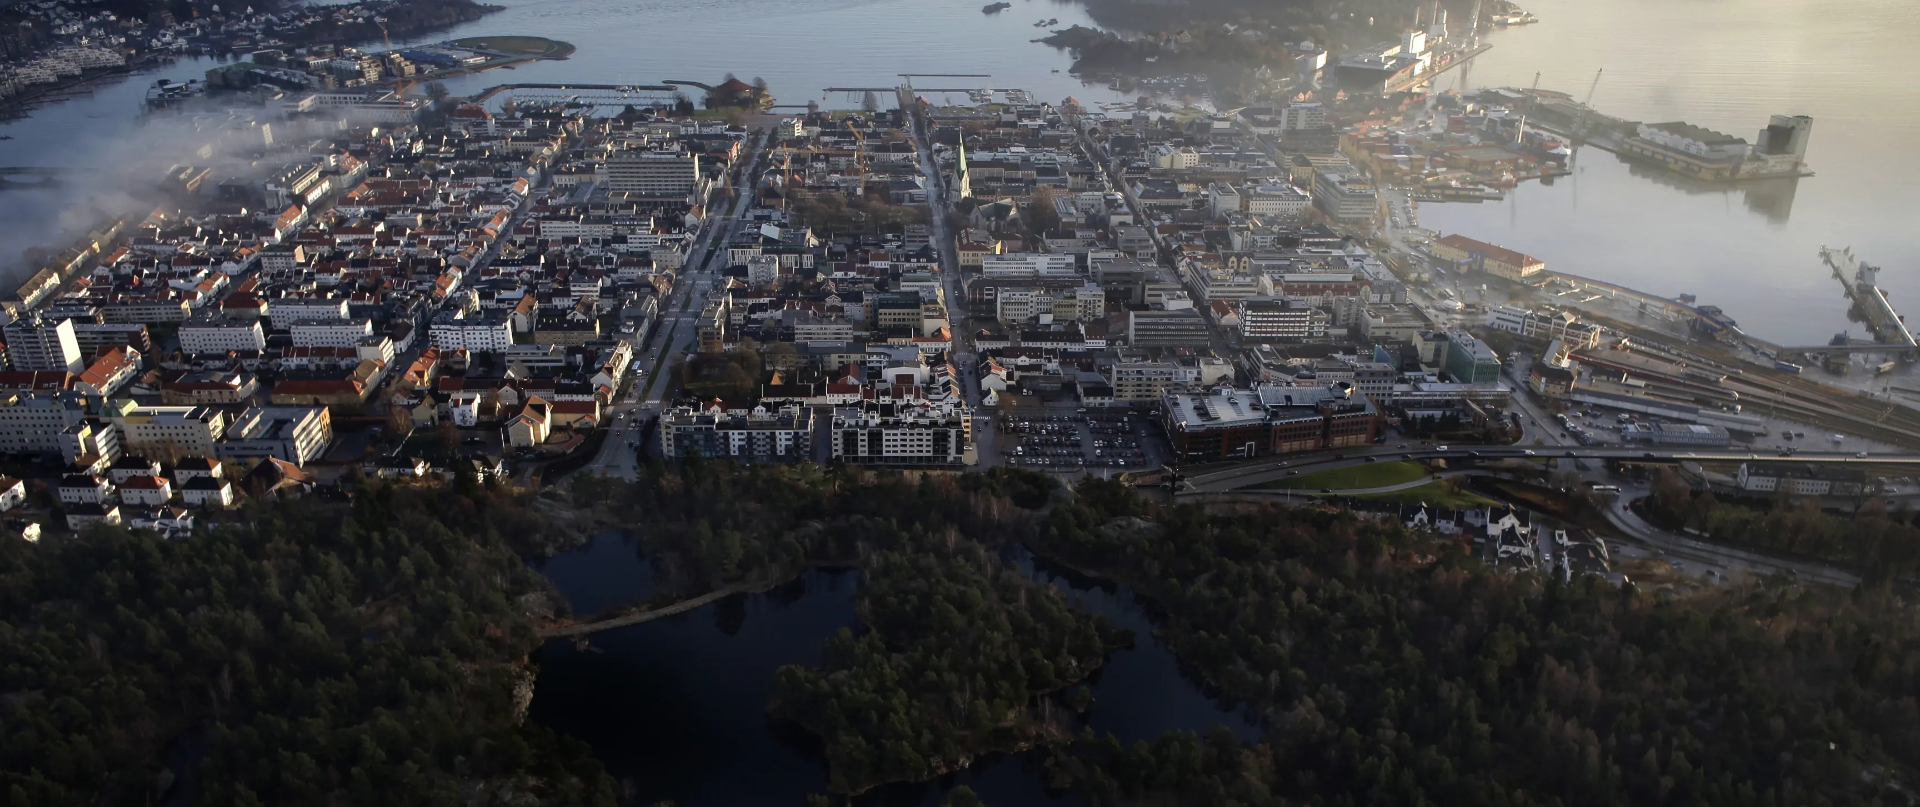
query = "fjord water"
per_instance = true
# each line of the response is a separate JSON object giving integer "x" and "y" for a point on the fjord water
{"x": 1725, "y": 64}
{"x": 676, "y": 709}
{"x": 1728, "y": 65}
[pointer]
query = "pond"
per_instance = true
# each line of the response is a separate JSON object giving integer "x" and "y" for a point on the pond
{"x": 676, "y": 709}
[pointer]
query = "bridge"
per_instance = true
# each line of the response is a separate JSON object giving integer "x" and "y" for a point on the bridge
{"x": 1270, "y": 469}
{"x": 639, "y": 617}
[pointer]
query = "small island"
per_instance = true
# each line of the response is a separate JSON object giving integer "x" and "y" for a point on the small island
{"x": 995, "y": 8}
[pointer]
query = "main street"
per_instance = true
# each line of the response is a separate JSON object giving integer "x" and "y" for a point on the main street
{"x": 677, "y": 330}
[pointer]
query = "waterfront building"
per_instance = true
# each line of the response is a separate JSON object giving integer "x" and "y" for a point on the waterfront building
{"x": 1545, "y": 326}
{"x": 1466, "y": 253}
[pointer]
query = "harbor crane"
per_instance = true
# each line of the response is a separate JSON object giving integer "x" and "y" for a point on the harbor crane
{"x": 1580, "y": 126}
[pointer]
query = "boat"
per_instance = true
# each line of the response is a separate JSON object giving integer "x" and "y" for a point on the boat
{"x": 995, "y": 8}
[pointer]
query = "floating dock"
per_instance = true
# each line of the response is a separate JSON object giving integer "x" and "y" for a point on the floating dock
{"x": 1861, "y": 282}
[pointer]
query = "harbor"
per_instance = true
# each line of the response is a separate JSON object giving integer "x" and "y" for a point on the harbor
{"x": 1861, "y": 280}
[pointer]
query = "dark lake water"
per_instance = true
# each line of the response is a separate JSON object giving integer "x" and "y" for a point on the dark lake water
{"x": 676, "y": 709}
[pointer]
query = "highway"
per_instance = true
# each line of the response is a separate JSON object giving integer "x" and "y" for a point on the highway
{"x": 1216, "y": 478}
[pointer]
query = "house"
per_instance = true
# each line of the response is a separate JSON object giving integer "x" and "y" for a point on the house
{"x": 278, "y": 477}
{"x": 127, "y": 468}
{"x": 207, "y": 491}
{"x": 170, "y": 522}
{"x": 13, "y": 493}
{"x": 485, "y": 468}
{"x": 532, "y": 426}
{"x": 77, "y": 489}
{"x": 401, "y": 468}
{"x": 146, "y": 490}
{"x": 193, "y": 468}
{"x": 28, "y": 531}
{"x": 82, "y": 516}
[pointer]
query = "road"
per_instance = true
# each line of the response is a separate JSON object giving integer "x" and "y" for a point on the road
{"x": 958, "y": 355}
{"x": 678, "y": 329}
{"x": 1239, "y": 475}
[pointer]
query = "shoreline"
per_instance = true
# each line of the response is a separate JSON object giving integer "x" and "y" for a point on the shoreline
{"x": 21, "y": 107}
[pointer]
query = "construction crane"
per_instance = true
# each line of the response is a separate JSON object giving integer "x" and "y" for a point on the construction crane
{"x": 859, "y": 159}
{"x": 1580, "y": 126}
{"x": 400, "y": 81}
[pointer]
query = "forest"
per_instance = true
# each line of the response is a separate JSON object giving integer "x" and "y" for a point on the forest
{"x": 1393, "y": 668}
{"x": 1881, "y": 545}
{"x": 314, "y": 653}
{"x": 372, "y": 649}
{"x": 960, "y": 652}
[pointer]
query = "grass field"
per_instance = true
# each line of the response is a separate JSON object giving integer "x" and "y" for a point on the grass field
{"x": 525, "y": 45}
{"x": 1358, "y": 477}
{"x": 1434, "y": 494}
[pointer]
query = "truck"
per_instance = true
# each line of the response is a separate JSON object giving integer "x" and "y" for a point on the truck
{"x": 1786, "y": 367}
{"x": 1885, "y": 367}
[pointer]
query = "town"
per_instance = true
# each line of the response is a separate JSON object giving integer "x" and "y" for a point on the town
{"x": 543, "y": 280}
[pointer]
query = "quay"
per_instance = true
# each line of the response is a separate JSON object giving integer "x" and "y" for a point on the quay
{"x": 1421, "y": 78}
{"x": 1859, "y": 279}
{"x": 639, "y": 94}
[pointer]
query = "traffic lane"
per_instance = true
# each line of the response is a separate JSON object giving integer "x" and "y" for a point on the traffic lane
{"x": 1544, "y": 452}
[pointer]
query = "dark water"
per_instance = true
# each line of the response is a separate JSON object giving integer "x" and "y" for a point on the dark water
{"x": 676, "y": 709}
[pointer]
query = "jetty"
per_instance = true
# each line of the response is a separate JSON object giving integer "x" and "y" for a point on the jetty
{"x": 1861, "y": 280}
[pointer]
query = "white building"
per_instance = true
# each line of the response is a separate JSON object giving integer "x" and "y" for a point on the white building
{"x": 1028, "y": 264}
{"x": 1346, "y": 197}
{"x": 35, "y": 344}
{"x": 1284, "y": 202}
{"x": 1545, "y": 326}
{"x": 284, "y": 311}
{"x": 156, "y": 430}
{"x": 330, "y": 332}
{"x": 651, "y": 173}
{"x": 471, "y": 331}
{"x": 146, "y": 490}
{"x": 200, "y": 336}
{"x": 32, "y": 424}
{"x": 1697, "y": 141}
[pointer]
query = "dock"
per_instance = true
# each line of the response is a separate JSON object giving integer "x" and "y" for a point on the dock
{"x": 1861, "y": 282}
{"x": 1421, "y": 78}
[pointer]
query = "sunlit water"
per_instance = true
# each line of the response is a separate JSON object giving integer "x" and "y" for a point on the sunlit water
{"x": 1725, "y": 64}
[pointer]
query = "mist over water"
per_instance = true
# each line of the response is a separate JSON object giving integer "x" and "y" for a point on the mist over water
{"x": 1752, "y": 248}
{"x": 1727, "y": 65}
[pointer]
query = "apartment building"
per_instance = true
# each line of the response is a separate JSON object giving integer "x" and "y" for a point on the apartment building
{"x": 37, "y": 344}
{"x": 213, "y": 334}
{"x": 902, "y": 434}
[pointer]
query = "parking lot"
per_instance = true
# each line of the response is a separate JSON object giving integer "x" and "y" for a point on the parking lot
{"x": 1075, "y": 441}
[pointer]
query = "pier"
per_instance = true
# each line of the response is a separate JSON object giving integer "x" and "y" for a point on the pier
{"x": 1859, "y": 279}
{"x": 639, "y": 617}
